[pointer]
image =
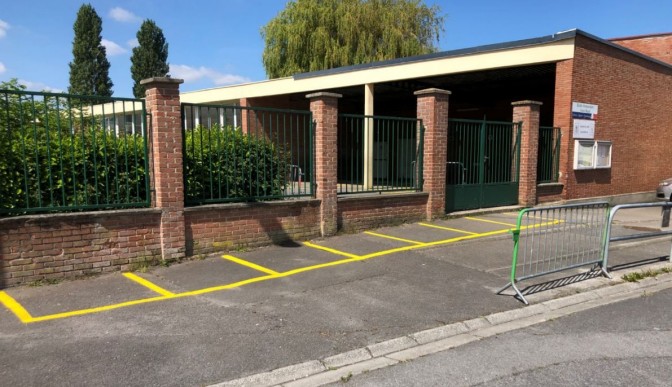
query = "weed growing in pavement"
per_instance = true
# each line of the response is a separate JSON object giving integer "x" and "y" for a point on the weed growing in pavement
{"x": 144, "y": 265}
{"x": 241, "y": 249}
{"x": 46, "y": 281}
{"x": 346, "y": 378}
{"x": 640, "y": 275}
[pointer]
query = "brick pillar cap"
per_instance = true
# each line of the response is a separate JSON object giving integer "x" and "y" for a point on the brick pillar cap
{"x": 526, "y": 102}
{"x": 176, "y": 81}
{"x": 324, "y": 94}
{"x": 432, "y": 91}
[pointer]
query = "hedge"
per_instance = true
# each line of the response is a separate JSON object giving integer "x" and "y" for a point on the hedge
{"x": 229, "y": 165}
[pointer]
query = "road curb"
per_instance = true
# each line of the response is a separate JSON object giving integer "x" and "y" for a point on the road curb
{"x": 342, "y": 367}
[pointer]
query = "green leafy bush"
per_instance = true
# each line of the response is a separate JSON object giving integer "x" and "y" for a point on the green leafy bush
{"x": 55, "y": 156}
{"x": 227, "y": 165}
{"x": 64, "y": 167}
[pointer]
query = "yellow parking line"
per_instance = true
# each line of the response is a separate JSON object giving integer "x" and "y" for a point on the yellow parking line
{"x": 451, "y": 240}
{"x": 448, "y": 228}
{"x": 393, "y": 238}
{"x": 490, "y": 221}
{"x": 330, "y": 250}
{"x": 149, "y": 285}
{"x": 249, "y": 264}
{"x": 15, "y": 307}
{"x": 227, "y": 286}
{"x": 25, "y": 317}
{"x": 99, "y": 309}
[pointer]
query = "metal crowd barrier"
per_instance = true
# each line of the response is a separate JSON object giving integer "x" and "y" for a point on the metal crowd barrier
{"x": 552, "y": 239}
{"x": 665, "y": 207}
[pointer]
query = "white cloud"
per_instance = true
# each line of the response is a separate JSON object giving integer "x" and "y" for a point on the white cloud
{"x": 113, "y": 48}
{"x": 121, "y": 15}
{"x": 4, "y": 26}
{"x": 38, "y": 86}
{"x": 133, "y": 43}
{"x": 2, "y": 68}
{"x": 192, "y": 74}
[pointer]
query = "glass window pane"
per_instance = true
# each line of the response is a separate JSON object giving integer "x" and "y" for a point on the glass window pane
{"x": 584, "y": 155}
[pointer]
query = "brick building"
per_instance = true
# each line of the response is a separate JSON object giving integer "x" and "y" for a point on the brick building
{"x": 627, "y": 81}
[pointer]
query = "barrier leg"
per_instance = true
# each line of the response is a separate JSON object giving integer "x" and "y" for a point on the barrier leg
{"x": 519, "y": 294}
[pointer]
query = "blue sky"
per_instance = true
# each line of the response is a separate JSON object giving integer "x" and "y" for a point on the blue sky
{"x": 216, "y": 43}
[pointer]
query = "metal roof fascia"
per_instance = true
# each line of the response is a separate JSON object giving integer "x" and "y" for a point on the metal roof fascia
{"x": 441, "y": 55}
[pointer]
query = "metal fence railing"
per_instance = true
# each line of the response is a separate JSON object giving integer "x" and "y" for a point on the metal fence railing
{"x": 64, "y": 152}
{"x": 552, "y": 239}
{"x": 665, "y": 207}
{"x": 234, "y": 153}
{"x": 379, "y": 154}
{"x": 548, "y": 161}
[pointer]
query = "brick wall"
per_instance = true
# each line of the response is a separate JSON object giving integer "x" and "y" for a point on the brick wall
{"x": 223, "y": 227}
{"x": 655, "y": 46}
{"x": 357, "y": 213}
{"x": 634, "y": 97}
{"x": 42, "y": 247}
{"x": 550, "y": 192}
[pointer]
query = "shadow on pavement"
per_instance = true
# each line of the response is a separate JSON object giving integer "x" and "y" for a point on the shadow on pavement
{"x": 560, "y": 282}
{"x": 643, "y": 262}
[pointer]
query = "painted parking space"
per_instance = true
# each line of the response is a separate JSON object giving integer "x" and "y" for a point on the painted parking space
{"x": 109, "y": 290}
{"x": 478, "y": 224}
{"x": 199, "y": 274}
{"x": 287, "y": 258}
{"x": 228, "y": 272}
{"x": 356, "y": 245}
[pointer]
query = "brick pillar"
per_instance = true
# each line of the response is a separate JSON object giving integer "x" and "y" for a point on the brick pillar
{"x": 527, "y": 112}
{"x": 163, "y": 103}
{"x": 244, "y": 115}
{"x": 324, "y": 107}
{"x": 432, "y": 109}
{"x": 562, "y": 118}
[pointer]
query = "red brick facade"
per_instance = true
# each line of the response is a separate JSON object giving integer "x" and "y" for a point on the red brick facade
{"x": 361, "y": 213}
{"x": 38, "y": 247}
{"x": 634, "y": 96}
{"x": 228, "y": 226}
{"x": 655, "y": 46}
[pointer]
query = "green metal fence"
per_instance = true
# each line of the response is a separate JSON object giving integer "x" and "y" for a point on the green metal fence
{"x": 234, "y": 153}
{"x": 548, "y": 161}
{"x": 379, "y": 154}
{"x": 483, "y": 164}
{"x": 65, "y": 152}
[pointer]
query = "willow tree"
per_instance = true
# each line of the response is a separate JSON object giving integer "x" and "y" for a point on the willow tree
{"x": 310, "y": 35}
{"x": 89, "y": 69}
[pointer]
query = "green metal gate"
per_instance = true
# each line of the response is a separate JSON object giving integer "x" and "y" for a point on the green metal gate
{"x": 483, "y": 164}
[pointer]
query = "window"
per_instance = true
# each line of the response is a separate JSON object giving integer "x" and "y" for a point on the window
{"x": 590, "y": 154}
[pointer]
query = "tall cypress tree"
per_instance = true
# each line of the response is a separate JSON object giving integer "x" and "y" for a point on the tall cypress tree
{"x": 150, "y": 58}
{"x": 89, "y": 69}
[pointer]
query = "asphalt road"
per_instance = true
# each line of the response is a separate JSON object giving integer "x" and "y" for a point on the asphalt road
{"x": 623, "y": 344}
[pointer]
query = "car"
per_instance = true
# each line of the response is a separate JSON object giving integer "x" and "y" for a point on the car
{"x": 664, "y": 189}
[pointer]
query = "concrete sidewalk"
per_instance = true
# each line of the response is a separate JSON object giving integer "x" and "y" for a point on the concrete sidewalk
{"x": 248, "y": 313}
